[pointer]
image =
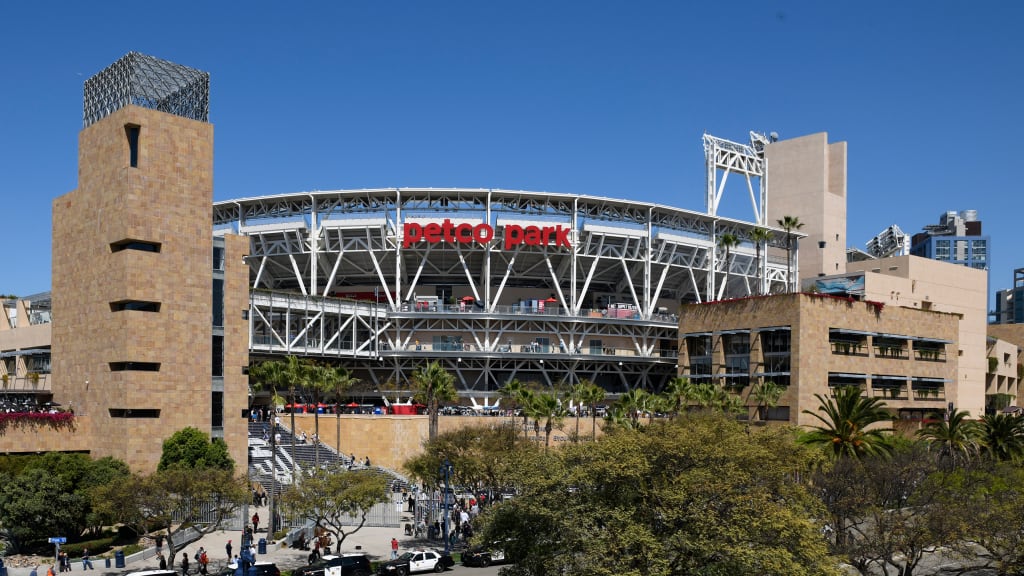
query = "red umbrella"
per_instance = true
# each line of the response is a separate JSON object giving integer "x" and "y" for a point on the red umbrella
{"x": 552, "y": 300}
{"x": 468, "y": 298}
{"x": 352, "y": 405}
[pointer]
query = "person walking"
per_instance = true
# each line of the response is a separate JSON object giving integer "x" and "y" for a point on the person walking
{"x": 35, "y": 571}
{"x": 184, "y": 563}
{"x": 227, "y": 548}
{"x": 86, "y": 562}
{"x": 163, "y": 561}
{"x": 49, "y": 571}
{"x": 394, "y": 549}
{"x": 255, "y": 522}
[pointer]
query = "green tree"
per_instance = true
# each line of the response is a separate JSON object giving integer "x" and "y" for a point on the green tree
{"x": 511, "y": 392}
{"x": 694, "y": 496}
{"x": 331, "y": 496}
{"x": 592, "y": 396}
{"x": 37, "y": 504}
{"x": 1002, "y": 436}
{"x": 759, "y": 236}
{"x": 173, "y": 499}
{"x": 766, "y": 395}
{"x": 678, "y": 394}
{"x": 192, "y": 449}
{"x": 790, "y": 224}
{"x": 322, "y": 379}
{"x": 480, "y": 456}
{"x": 548, "y": 407}
{"x": 433, "y": 385}
{"x": 850, "y": 425}
{"x": 956, "y": 438}
{"x": 727, "y": 242}
{"x": 343, "y": 382}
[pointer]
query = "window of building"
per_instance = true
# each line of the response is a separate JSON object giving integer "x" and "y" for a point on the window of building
{"x": 893, "y": 387}
{"x": 775, "y": 349}
{"x": 138, "y": 305}
{"x": 837, "y": 380}
{"x": 777, "y": 413}
{"x": 132, "y": 132}
{"x": 218, "y": 355}
{"x": 737, "y": 359}
{"x": 218, "y": 302}
{"x": 941, "y": 250}
{"x": 218, "y": 258}
{"x": 698, "y": 349}
{"x": 134, "y": 412}
{"x": 217, "y": 410}
{"x": 135, "y": 366}
{"x": 130, "y": 244}
{"x": 38, "y": 363}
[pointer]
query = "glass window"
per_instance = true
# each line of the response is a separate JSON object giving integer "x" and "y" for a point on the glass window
{"x": 218, "y": 301}
{"x": 217, "y": 410}
{"x": 218, "y": 356}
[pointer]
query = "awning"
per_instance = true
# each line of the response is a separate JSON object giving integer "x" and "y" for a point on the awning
{"x": 736, "y": 331}
{"x": 930, "y": 340}
{"x": 774, "y": 328}
{"x": 848, "y": 331}
{"x": 847, "y": 375}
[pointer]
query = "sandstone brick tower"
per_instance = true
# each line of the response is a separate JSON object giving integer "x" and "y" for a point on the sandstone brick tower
{"x": 143, "y": 342}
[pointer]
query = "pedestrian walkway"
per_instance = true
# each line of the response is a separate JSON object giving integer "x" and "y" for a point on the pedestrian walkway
{"x": 375, "y": 542}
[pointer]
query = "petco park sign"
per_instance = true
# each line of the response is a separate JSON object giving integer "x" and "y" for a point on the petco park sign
{"x": 482, "y": 233}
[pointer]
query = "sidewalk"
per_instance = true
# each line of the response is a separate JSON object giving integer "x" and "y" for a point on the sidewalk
{"x": 375, "y": 542}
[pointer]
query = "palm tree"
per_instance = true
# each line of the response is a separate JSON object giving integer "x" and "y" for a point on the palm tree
{"x": 678, "y": 394}
{"x": 635, "y": 402}
{"x": 759, "y": 236}
{"x": 323, "y": 379}
{"x": 575, "y": 395}
{"x": 1002, "y": 436}
{"x": 274, "y": 375}
{"x": 847, "y": 425}
{"x": 727, "y": 242}
{"x": 511, "y": 391}
{"x": 956, "y": 437}
{"x": 433, "y": 385}
{"x": 343, "y": 381}
{"x": 704, "y": 393}
{"x": 548, "y": 407}
{"x": 789, "y": 224}
{"x": 767, "y": 395}
{"x": 592, "y": 395}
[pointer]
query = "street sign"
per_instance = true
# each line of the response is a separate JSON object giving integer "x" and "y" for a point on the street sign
{"x": 58, "y": 540}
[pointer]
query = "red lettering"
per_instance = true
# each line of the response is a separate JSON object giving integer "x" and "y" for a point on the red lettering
{"x": 411, "y": 233}
{"x": 513, "y": 235}
{"x": 464, "y": 233}
{"x": 562, "y": 237}
{"x": 547, "y": 231}
{"x": 447, "y": 227}
{"x": 432, "y": 233}
{"x": 532, "y": 236}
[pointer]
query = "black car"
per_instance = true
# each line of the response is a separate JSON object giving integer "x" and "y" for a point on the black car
{"x": 416, "y": 561}
{"x": 484, "y": 556}
{"x": 343, "y": 565}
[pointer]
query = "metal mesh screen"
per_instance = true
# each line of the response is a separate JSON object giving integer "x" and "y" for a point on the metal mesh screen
{"x": 148, "y": 82}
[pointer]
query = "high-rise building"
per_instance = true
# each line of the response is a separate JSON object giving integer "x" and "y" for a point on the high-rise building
{"x": 1010, "y": 301}
{"x": 957, "y": 239}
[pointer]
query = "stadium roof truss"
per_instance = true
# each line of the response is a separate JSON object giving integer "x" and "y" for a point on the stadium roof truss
{"x": 306, "y": 249}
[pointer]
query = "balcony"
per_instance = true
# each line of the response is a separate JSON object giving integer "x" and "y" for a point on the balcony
{"x": 889, "y": 392}
{"x": 929, "y": 393}
{"x": 890, "y": 351}
{"x": 930, "y": 354}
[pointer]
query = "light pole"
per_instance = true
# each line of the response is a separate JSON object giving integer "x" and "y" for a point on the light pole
{"x": 273, "y": 471}
{"x": 446, "y": 474}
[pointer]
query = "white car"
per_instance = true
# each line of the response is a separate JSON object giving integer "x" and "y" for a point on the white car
{"x": 416, "y": 561}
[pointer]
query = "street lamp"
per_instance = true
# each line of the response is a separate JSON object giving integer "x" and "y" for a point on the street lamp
{"x": 446, "y": 474}
{"x": 272, "y": 525}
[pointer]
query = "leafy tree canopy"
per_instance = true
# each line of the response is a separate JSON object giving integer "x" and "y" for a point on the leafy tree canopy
{"x": 329, "y": 496}
{"x": 190, "y": 448}
{"x": 694, "y": 496}
{"x": 480, "y": 456}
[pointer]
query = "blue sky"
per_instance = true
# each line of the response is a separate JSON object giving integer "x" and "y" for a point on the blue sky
{"x": 597, "y": 98}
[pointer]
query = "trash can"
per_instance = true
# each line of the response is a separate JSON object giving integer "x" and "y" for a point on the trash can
{"x": 119, "y": 559}
{"x": 107, "y": 562}
{"x": 261, "y": 547}
{"x": 3, "y": 569}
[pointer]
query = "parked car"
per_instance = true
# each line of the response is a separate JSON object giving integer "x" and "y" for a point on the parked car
{"x": 262, "y": 569}
{"x": 416, "y": 561}
{"x": 484, "y": 556}
{"x": 331, "y": 565}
